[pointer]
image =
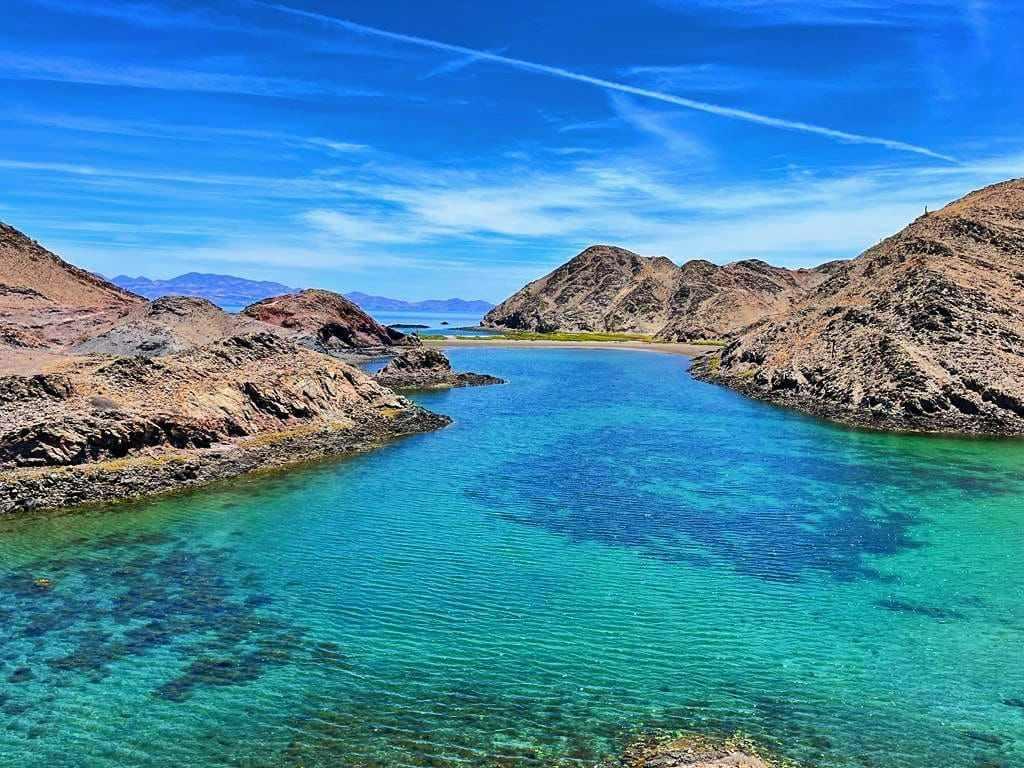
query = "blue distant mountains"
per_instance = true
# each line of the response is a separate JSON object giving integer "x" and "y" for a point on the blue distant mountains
{"x": 384, "y": 304}
{"x": 224, "y": 290}
{"x": 231, "y": 292}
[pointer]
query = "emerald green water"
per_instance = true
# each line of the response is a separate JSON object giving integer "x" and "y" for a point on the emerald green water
{"x": 599, "y": 546}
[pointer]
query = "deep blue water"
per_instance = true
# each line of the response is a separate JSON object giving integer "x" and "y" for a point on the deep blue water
{"x": 601, "y": 545}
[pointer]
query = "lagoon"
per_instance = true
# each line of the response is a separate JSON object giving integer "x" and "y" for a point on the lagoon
{"x": 601, "y": 545}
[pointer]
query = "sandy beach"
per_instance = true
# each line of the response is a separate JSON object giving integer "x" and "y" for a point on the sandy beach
{"x": 690, "y": 350}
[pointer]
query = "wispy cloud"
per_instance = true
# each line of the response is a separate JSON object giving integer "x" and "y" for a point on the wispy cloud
{"x": 455, "y": 65}
{"x": 20, "y": 67}
{"x": 681, "y": 144}
{"x": 825, "y": 12}
{"x": 700, "y": 106}
{"x": 179, "y": 131}
{"x": 706, "y": 77}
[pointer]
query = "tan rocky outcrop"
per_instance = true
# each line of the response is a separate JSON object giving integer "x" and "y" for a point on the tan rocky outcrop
{"x": 608, "y": 289}
{"x": 46, "y": 300}
{"x": 923, "y": 332}
{"x": 328, "y": 322}
{"x": 167, "y": 325}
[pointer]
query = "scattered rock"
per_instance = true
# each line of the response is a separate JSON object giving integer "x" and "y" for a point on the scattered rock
{"x": 694, "y": 752}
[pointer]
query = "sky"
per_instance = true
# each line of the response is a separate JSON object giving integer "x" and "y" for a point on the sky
{"x": 434, "y": 148}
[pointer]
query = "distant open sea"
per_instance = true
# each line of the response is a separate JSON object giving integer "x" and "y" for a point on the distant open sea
{"x": 599, "y": 546}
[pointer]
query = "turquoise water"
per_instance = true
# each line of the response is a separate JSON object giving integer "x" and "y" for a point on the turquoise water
{"x": 454, "y": 322}
{"x": 601, "y": 545}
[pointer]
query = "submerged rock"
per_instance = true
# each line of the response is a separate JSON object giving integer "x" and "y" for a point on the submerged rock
{"x": 694, "y": 752}
{"x": 427, "y": 368}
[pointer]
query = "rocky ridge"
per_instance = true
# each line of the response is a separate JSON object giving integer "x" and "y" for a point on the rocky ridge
{"x": 922, "y": 332}
{"x": 104, "y": 396}
{"x": 168, "y": 325}
{"x": 46, "y": 301}
{"x": 609, "y": 289}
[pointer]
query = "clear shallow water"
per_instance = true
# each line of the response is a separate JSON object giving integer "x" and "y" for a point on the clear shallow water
{"x": 432, "y": 322}
{"x": 600, "y": 545}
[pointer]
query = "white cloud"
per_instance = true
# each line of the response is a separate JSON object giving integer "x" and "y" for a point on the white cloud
{"x": 22, "y": 67}
{"x": 179, "y": 132}
{"x": 681, "y": 144}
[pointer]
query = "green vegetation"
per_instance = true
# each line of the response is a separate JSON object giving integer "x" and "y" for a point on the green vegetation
{"x": 563, "y": 336}
{"x": 504, "y": 335}
{"x": 706, "y": 342}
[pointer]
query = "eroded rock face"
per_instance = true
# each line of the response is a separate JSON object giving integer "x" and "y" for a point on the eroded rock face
{"x": 923, "y": 332}
{"x": 328, "y": 322}
{"x": 49, "y": 301}
{"x": 167, "y": 325}
{"x": 611, "y": 289}
{"x": 239, "y": 386}
{"x": 428, "y": 368}
{"x": 604, "y": 288}
{"x": 712, "y": 302}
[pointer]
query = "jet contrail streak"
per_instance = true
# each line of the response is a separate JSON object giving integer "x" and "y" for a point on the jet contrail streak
{"x": 668, "y": 98}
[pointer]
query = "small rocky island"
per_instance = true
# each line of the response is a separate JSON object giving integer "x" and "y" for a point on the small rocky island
{"x": 427, "y": 368}
{"x": 105, "y": 396}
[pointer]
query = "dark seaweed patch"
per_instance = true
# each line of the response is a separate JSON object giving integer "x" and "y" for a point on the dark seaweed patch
{"x": 160, "y": 594}
{"x": 919, "y": 609}
{"x": 20, "y": 675}
{"x": 777, "y": 534}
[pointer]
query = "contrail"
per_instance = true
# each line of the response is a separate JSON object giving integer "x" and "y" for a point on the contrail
{"x": 566, "y": 74}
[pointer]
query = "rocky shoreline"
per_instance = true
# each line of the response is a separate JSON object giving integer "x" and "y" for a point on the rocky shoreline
{"x": 923, "y": 332}
{"x": 878, "y": 420}
{"x": 51, "y": 488}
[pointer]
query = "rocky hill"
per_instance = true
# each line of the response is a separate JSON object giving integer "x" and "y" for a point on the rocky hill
{"x": 327, "y": 322}
{"x": 712, "y": 302}
{"x": 104, "y": 396}
{"x": 45, "y": 300}
{"x": 167, "y": 325}
{"x": 611, "y": 289}
{"x": 604, "y": 288}
{"x": 924, "y": 331}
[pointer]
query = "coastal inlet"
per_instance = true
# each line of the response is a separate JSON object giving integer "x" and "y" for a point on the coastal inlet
{"x": 601, "y": 546}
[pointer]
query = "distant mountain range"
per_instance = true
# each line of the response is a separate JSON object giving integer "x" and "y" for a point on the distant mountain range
{"x": 224, "y": 290}
{"x": 384, "y": 304}
{"x": 229, "y": 291}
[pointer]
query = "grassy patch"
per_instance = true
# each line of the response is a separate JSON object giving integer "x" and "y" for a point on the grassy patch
{"x": 706, "y": 342}
{"x": 431, "y": 336}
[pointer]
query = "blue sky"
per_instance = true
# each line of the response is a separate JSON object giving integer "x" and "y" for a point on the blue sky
{"x": 422, "y": 149}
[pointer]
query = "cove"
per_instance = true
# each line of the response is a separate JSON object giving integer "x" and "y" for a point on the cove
{"x": 601, "y": 545}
